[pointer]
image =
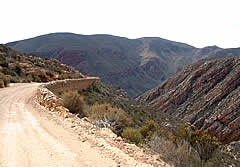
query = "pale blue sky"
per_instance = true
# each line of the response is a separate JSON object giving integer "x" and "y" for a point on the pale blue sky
{"x": 196, "y": 22}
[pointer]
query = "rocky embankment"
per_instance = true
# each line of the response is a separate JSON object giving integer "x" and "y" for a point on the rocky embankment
{"x": 108, "y": 143}
{"x": 46, "y": 92}
{"x": 206, "y": 95}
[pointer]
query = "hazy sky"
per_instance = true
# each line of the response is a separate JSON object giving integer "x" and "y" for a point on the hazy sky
{"x": 196, "y": 22}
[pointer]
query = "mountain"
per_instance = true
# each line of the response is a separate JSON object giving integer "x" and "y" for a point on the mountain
{"x": 20, "y": 67}
{"x": 202, "y": 53}
{"x": 221, "y": 53}
{"x": 204, "y": 94}
{"x": 136, "y": 65}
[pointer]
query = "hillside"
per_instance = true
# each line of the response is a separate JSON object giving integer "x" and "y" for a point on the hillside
{"x": 205, "y": 94}
{"x": 101, "y": 93}
{"x": 20, "y": 67}
{"x": 221, "y": 53}
{"x": 136, "y": 65}
{"x": 202, "y": 53}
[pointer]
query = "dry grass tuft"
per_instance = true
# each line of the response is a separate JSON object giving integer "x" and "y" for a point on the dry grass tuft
{"x": 104, "y": 115}
{"x": 75, "y": 103}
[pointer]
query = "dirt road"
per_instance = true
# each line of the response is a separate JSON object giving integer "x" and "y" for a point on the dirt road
{"x": 31, "y": 136}
{"x": 28, "y": 140}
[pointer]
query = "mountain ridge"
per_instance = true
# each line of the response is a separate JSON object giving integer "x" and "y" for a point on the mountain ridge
{"x": 136, "y": 65}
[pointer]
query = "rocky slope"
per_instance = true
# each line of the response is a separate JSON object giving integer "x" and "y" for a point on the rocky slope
{"x": 206, "y": 95}
{"x": 20, "y": 67}
{"x": 136, "y": 65}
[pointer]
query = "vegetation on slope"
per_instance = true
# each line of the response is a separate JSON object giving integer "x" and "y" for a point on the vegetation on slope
{"x": 20, "y": 67}
{"x": 186, "y": 147}
{"x": 101, "y": 93}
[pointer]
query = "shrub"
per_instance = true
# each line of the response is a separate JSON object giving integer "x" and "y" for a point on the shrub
{"x": 13, "y": 79}
{"x": 204, "y": 144}
{"x": 148, "y": 129}
{"x": 50, "y": 74}
{"x": 2, "y": 58}
{"x": 8, "y": 71}
{"x": 180, "y": 155}
{"x": 18, "y": 70}
{"x": 74, "y": 102}
{"x": 116, "y": 118}
{"x": 36, "y": 78}
{"x": 28, "y": 78}
{"x": 4, "y": 64}
{"x": 43, "y": 77}
{"x": 1, "y": 84}
{"x": 133, "y": 135}
{"x": 184, "y": 132}
{"x": 4, "y": 79}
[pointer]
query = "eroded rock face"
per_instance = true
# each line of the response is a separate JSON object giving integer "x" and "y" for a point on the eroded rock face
{"x": 206, "y": 94}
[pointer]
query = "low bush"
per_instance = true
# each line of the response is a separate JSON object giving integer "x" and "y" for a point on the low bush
{"x": 8, "y": 71}
{"x": 186, "y": 147}
{"x": 2, "y": 58}
{"x": 148, "y": 129}
{"x": 74, "y": 102}
{"x": 36, "y": 78}
{"x": 27, "y": 79}
{"x": 43, "y": 77}
{"x": 104, "y": 115}
{"x": 133, "y": 135}
{"x": 50, "y": 74}
{"x": 1, "y": 84}
{"x": 204, "y": 144}
{"x": 4, "y": 64}
{"x": 4, "y": 79}
{"x": 180, "y": 155}
{"x": 18, "y": 70}
{"x": 13, "y": 79}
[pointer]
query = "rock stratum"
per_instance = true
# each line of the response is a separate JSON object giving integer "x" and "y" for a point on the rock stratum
{"x": 136, "y": 65}
{"x": 206, "y": 95}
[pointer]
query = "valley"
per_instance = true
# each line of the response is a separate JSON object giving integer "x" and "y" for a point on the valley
{"x": 196, "y": 90}
{"x": 136, "y": 65}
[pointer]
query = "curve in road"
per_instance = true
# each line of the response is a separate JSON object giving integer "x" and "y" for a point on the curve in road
{"x": 27, "y": 139}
